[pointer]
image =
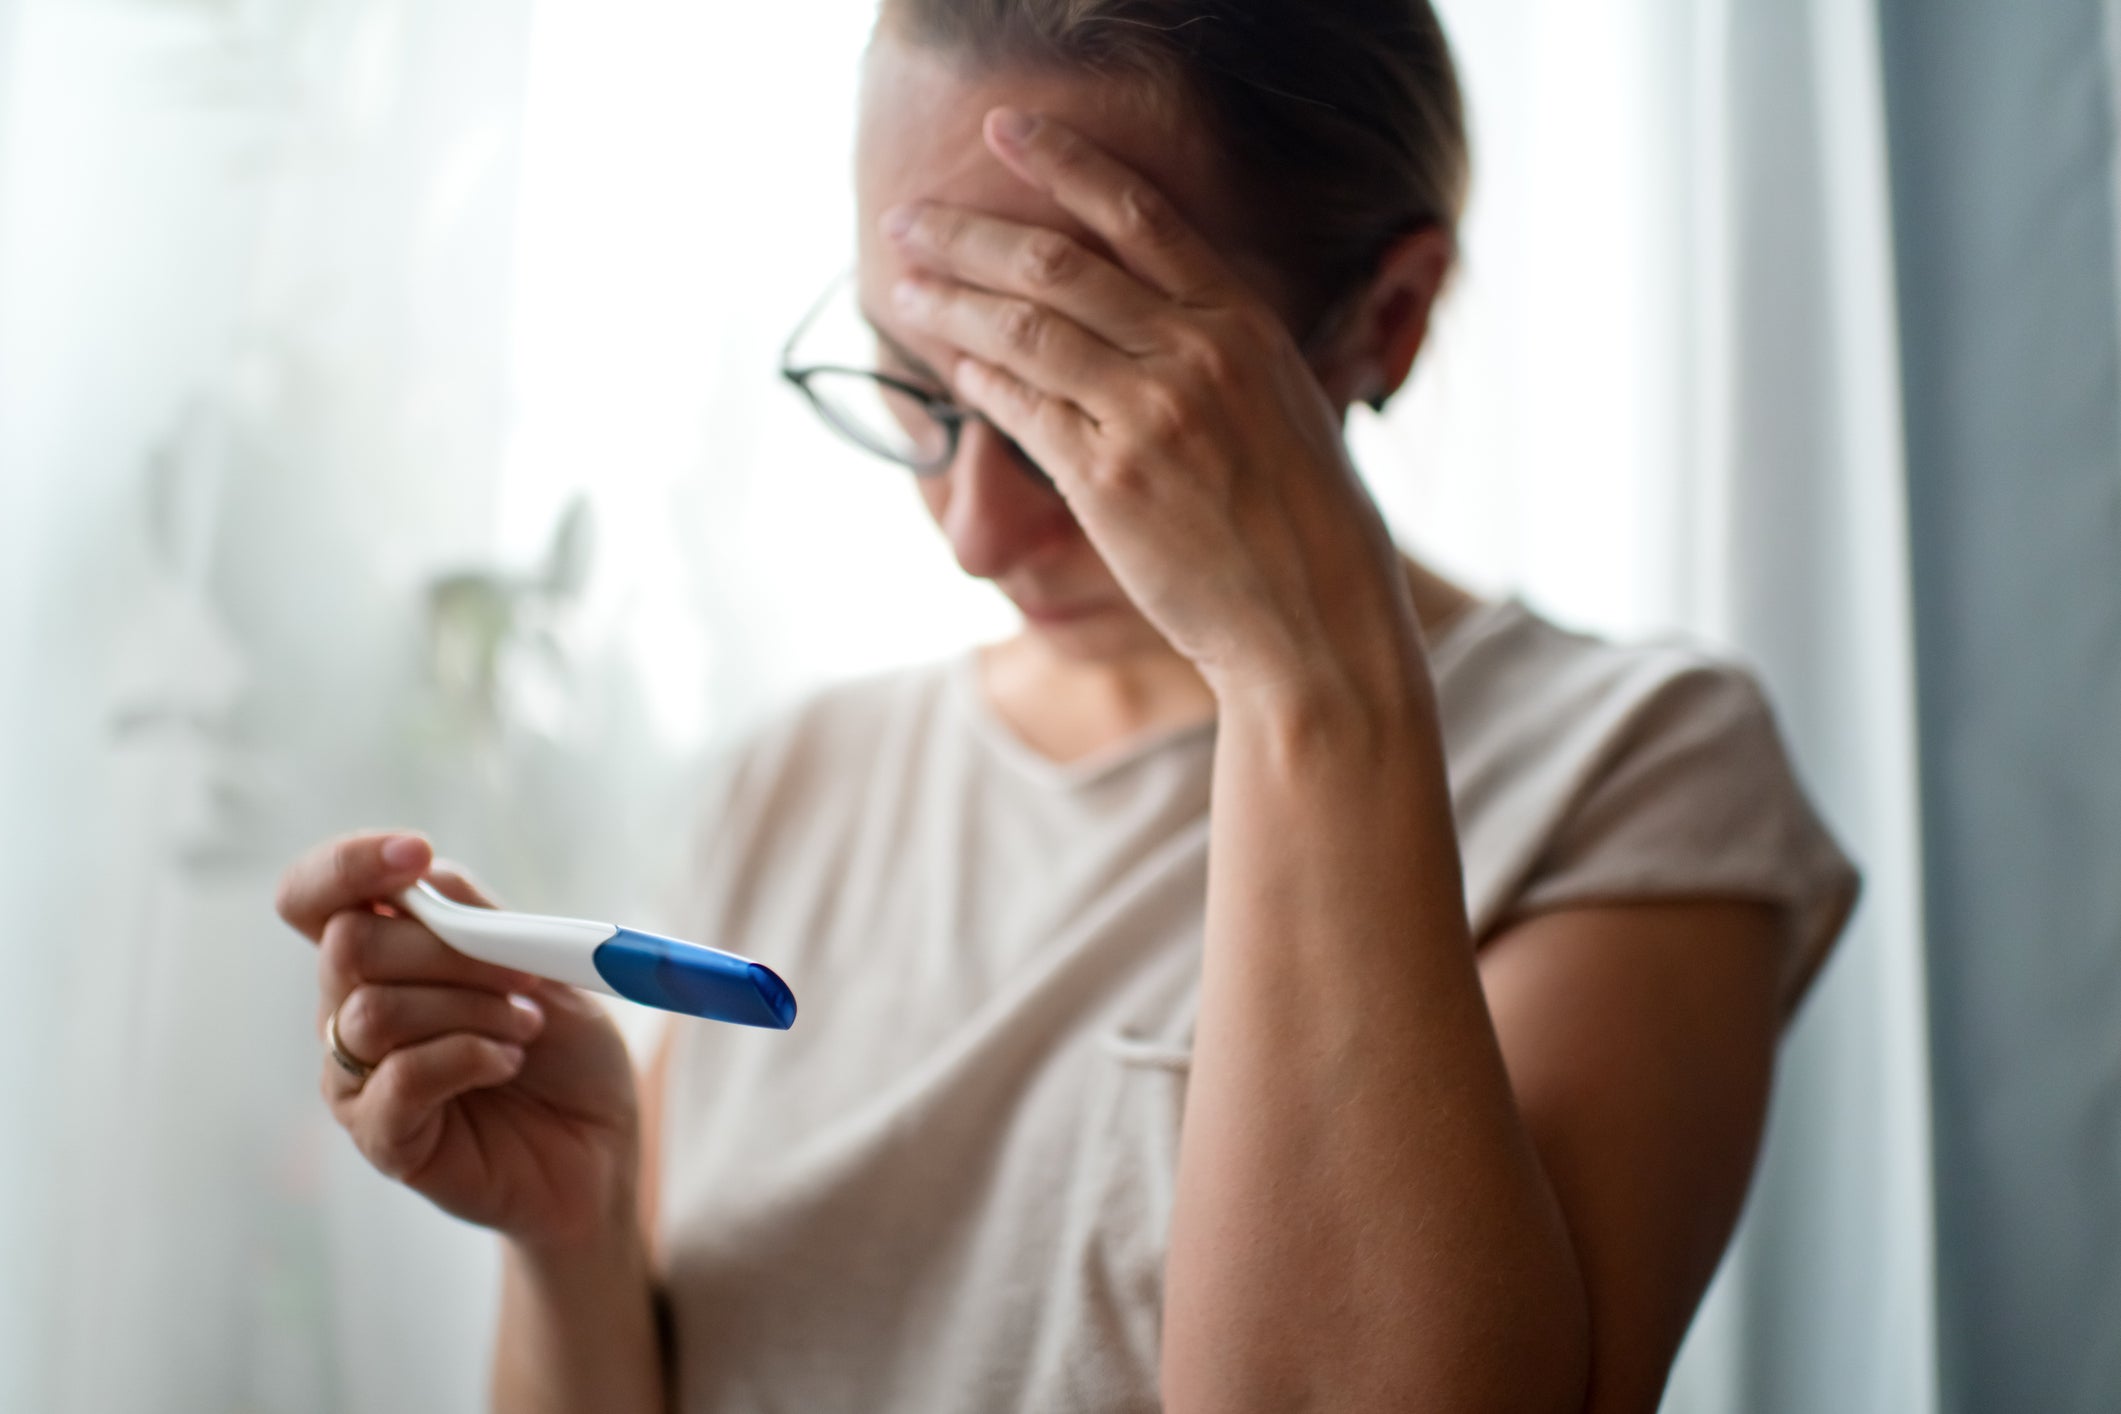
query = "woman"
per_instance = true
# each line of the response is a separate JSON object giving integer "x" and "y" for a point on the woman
{"x": 1425, "y": 1071}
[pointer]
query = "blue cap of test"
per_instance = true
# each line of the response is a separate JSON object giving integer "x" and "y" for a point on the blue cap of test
{"x": 685, "y": 977}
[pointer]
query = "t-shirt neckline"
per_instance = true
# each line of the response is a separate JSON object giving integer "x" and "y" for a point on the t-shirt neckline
{"x": 1060, "y": 775}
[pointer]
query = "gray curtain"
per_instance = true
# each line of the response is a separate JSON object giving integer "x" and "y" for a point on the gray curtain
{"x": 2001, "y": 119}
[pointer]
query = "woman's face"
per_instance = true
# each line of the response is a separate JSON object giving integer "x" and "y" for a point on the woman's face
{"x": 920, "y": 140}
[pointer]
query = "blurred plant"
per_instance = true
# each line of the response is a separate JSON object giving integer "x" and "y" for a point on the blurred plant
{"x": 495, "y": 646}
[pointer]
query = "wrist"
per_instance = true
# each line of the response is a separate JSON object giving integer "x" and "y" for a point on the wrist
{"x": 579, "y": 1326}
{"x": 1306, "y": 711}
{"x": 611, "y": 1241}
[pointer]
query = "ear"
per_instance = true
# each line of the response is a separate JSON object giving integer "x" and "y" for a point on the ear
{"x": 1374, "y": 350}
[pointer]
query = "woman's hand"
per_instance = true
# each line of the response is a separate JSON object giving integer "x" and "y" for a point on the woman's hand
{"x": 506, "y": 1099}
{"x": 1176, "y": 414}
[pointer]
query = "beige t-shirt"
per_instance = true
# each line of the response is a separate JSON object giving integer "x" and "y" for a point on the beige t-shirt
{"x": 948, "y": 1188}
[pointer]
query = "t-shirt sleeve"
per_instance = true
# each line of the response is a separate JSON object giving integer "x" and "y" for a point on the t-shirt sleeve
{"x": 1691, "y": 793}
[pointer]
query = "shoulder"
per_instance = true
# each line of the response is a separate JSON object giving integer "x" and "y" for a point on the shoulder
{"x": 1518, "y": 674}
{"x": 1592, "y": 770}
{"x": 1542, "y": 723}
{"x": 1532, "y": 708}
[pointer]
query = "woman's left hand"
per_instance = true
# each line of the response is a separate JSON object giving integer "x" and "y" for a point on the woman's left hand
{"x": 1175, "y": 413}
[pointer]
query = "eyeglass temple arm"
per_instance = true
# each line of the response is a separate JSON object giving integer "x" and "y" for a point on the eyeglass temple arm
{"x": 803, "y": 326}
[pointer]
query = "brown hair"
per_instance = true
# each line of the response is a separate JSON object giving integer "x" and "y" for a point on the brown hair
{"x": 1342, "y": 119}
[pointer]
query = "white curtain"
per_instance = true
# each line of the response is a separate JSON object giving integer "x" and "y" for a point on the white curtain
{"x": 1666, "y": 397}
{"x": 388, "y": 433}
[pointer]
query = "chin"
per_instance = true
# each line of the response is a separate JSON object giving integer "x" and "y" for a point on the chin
{"x": 1101, "y": 638}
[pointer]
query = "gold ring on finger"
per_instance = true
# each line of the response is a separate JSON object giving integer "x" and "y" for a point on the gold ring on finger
{"x": 352, "y": 1064}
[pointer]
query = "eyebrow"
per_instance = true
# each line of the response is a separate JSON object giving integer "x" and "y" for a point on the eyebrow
{"x": 902, "y": 353}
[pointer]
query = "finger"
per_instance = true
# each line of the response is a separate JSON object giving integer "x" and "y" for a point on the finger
{"x": 347, "y": 872}
{"x": 1150, "y": 236}
{"x": 396, "y": 1117}
{"x": 1040, "y": 346}
{"x": 378, "y": 1018}
{"x": 359, "y": 946}
{"x": 451, "y": 880}
{"x": 1043, "y": 265}
{"x": 1055, "y": 434}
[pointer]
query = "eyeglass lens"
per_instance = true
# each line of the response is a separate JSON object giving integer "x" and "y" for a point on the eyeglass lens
{"x": 884, "y": 419}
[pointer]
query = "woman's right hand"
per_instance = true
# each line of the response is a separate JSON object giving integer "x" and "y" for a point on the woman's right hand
{"x": 506, "y": 1099}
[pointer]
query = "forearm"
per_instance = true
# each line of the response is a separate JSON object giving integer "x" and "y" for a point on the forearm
{"x": 578, "y": 1330}
{"x": 1361, "y": 1221}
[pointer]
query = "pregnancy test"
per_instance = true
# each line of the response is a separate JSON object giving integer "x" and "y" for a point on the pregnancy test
{"x": 619, "y": 962}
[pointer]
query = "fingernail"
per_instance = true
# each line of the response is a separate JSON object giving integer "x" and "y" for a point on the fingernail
{"x": 910, "y": 295}
{"x": 405, "y": 852}
{"x": 512, "y": 1055}
{"x": 1014, "y": 126}
{"x": 899, "y": 220}
{"x": 531, "y": 1014}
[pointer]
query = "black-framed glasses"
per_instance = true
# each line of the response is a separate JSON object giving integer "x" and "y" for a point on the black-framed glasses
{"x": 888, "y": 416}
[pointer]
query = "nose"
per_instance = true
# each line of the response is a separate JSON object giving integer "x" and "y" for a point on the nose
{"x": 995, "y": 515}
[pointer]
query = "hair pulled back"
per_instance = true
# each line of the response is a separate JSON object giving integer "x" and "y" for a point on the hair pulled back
{"x": 1341, "y": 120}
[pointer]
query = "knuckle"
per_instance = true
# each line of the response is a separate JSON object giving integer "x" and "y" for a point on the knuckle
{"x": 346, "y": 863}
{"x": 1065, "y": 151}
{"x": 1018, "y": 398}
{"x": 369, "y": 1013}
{"x": 1050, "y": 258}
{"x": 940, "y": 229}
{"x": 390, "y": 1152}
{"x": 387, "y": 1127}
{"x": 1145, "y": 217}
{"x": 345, "y": 942}
{"x": 1024, "y": 327}
{"x": 384, "y": 1096}
{"x": 1210, "y": 360}
{"x": 1121, "y": 475}
{"x": 1167, "y": 416}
